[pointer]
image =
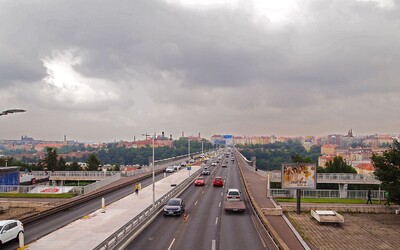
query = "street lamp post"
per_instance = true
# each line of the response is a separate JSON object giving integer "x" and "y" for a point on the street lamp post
{"x": 153, "y": 169}
{"x": 12, "y": 111}
{"x": 154, "y": 188}
{"x": 189, "y": 155}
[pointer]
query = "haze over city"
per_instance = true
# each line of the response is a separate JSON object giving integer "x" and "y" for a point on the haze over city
{"x": 97, "y": 71}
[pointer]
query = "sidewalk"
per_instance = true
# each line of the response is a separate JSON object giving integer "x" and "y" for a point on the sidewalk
{"x": 258, "y": 191}
{"x": 89, "y": 231}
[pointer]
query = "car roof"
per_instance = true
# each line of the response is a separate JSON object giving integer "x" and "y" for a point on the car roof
{"x": 233, "y": 189}
{"x": 3, "y": 222}
{"x": 176, "y": 199}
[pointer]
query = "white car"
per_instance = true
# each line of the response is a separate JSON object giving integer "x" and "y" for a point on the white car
{"x": 233, "y": 194}
{"x": 170, "y": 169}
{"x": 9, "y": 230}
{"x": 177, "y": 167}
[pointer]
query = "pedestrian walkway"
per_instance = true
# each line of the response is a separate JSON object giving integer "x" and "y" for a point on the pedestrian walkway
{"x": 89, "y": 231}
{"x": 258, "y": 191}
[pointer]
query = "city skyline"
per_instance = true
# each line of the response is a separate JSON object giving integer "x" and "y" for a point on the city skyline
{"x": 98, "y": 72}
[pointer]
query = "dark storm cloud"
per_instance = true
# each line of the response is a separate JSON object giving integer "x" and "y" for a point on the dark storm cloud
{"x": 160, "y": 60}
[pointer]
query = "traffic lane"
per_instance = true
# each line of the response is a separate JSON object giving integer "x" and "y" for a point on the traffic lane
{"x": 237, "y": 229}
{"x": 238, "y": 232}
{"x": 160, "y": 234}
{"x": 203, "y": 226}
{"x": 45, "y": 226}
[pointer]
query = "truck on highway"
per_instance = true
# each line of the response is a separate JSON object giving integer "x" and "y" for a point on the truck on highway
{"x": 233, "y": 201}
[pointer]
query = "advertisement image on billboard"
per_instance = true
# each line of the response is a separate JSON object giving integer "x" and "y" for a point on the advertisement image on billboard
{"x": 299, "y": 175}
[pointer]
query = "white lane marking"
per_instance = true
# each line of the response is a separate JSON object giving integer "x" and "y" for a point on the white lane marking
{"x": 196, "y": 203}
{"x": 187, "y": 217}
{"x": 207, "y": 185}
{"x": 171, "y": 244}
{"x": 219, "y": 204}
{"x": 213, "y": 245}
{"x": 222, "y": 193}
{"x": 216, "y": 221}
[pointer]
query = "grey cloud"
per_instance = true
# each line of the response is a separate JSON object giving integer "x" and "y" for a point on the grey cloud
{"x": 167, "y": 63}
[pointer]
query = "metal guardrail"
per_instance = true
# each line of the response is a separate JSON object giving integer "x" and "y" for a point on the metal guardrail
{"x": 117, "y": 237}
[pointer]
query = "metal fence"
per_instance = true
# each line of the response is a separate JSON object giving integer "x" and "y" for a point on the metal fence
{"x": 323, "y": 193}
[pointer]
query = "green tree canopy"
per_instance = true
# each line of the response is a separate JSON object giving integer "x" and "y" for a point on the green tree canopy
{"x": 50, "y": 161}
{"x": 387, "y": 169}
{"x": 93, "y": 162}
{"x": 74, "y": 166}
{"x": 339, "y": 165}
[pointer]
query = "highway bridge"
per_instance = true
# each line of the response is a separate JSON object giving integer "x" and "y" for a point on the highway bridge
{"x": 207, "y": 227}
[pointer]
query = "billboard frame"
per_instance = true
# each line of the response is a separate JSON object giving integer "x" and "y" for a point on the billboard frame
{"x": 307, "y": 184}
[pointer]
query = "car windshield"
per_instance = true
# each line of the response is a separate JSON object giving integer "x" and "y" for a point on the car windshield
{"x": 173, "y": 203}
{"x": 1, "y": 227}
{"x": 217, "y": 179}
{"x": 200, "y": 179}
{"x": 233, "y": 193}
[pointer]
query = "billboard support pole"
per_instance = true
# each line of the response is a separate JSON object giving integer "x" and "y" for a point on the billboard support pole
{"x": 298, "y": 200}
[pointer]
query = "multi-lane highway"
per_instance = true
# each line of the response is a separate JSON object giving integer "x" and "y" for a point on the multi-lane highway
{"x": 208, "y": 226}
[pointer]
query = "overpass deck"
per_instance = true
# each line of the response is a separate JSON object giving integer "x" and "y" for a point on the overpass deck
{"x": 89, "y": 231}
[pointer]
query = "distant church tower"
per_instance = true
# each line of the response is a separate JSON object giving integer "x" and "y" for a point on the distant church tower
{"x": 350, "y": 133}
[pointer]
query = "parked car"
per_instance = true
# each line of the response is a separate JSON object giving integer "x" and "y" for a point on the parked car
{"x": 233, "y": 194}
{"x": 199, "y": 181}
{"x": 218, "y": 181}
{"x": 170, "y": 169}
{"x": 177, "y": 167}
{"x": 175, "y": 206}
{"x": 10, "y": 230}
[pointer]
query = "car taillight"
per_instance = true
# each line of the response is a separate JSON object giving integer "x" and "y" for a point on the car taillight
{"x": 230, "y": 197}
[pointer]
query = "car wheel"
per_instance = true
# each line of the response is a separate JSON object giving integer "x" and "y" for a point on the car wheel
{"x": 17, "y": 238}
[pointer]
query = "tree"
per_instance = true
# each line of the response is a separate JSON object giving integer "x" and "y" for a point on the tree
{"x": 93, "y": 162}
{"x": 339, "y": 165}
{"x": 387, "y": 169}
{"x": 50, "y": 161}
{"x": 74, "y": 167}
{"x": 301, "y": 159}
{"x": 62, "y": 164}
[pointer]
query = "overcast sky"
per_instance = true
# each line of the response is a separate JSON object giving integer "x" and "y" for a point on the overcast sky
{"x": 105, "y": 71}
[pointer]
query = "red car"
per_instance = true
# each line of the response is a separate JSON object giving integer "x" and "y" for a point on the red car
{"x": 199, "y": 181}
{"x": 218, "y": 182}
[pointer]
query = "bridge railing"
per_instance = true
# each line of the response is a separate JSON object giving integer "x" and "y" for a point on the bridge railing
{"x": 99, "y": 184}
{"x": 326, "y": 193}
{"x": 99, "y": 174}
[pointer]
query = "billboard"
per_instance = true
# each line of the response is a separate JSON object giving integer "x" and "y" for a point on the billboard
{"x": 299, "y": 176}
